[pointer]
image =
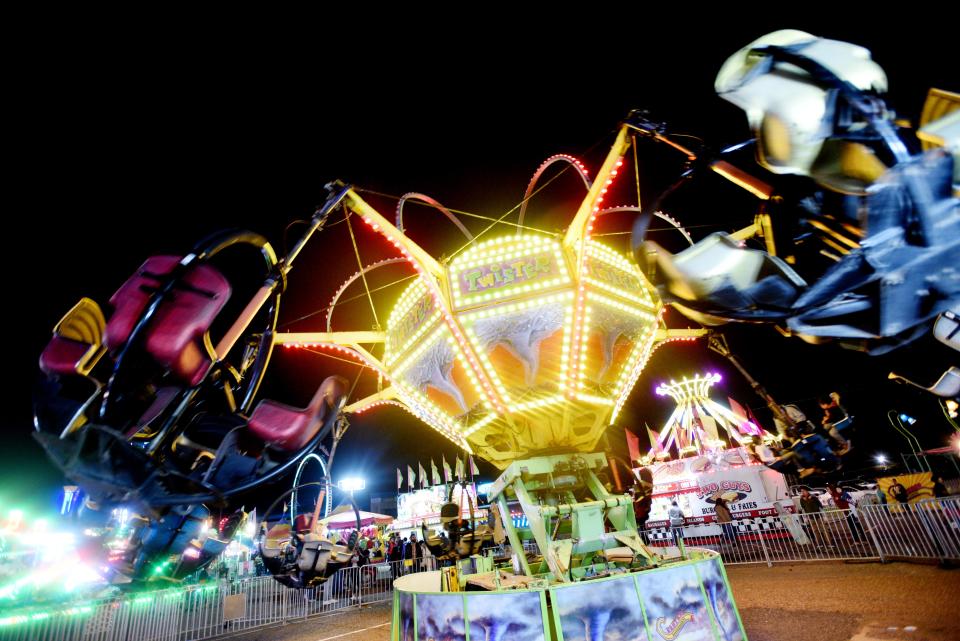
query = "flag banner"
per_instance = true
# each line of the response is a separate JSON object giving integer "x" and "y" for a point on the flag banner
{"x": 745, "y": 426}
{"x": 435, "y": 473}
{"x": 399, "y": 479}
{"x": 710, "y": 427}
{"x": 654, "y": 437}
{"x": 682, "y": 440}
{"x": 633, "y": 446}
{"x": 474, "y": 470}
{"x": 459, "y": 468}
{"x": 424, "y": 481}
{"x": 411, "y": 479}
{"x": 737, "y": 408}
{"x": 759, "y": 431}
{"x": 447, "y": 474}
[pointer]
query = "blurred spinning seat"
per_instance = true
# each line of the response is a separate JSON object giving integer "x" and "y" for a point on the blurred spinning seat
{"x": 720, "y": 272}
{"x": 290, "y": 428}
{"x": 177, "y": 336}
{"x": 77, "y": 342}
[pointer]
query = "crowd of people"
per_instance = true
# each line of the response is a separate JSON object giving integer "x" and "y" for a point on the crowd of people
{"x": 402, "y": 548}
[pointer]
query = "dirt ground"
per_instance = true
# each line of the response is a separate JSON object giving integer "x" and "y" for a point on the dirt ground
{"x": 840, "y": 602}
{"x": 801, "y": 602}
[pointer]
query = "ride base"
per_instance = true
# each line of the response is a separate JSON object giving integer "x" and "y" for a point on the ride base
{"x": 680, "y": 600}
{"x": 595, "y": 579}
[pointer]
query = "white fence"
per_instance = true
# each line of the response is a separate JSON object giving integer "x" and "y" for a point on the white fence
{"x": 925, "y": 530}
{"x": 928, "y": 530}
{"x": 191, "y": 613}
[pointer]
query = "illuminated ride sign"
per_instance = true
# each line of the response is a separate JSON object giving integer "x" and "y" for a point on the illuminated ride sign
{"x": 526, "y": 376}
{"x": 422, "y": 507}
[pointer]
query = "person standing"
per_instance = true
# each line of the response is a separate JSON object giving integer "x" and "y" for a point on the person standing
{"x": 642, "y": 502}
{"x": 842, "y": 501}
{"x": 395, "y": 554}
{"x": 939, "y": 488}
{"x": 725, "y": 519}
{"x": 413, "y": 551}
{"x": 676, "y": 522}
{"x": 809, "y": 504}
{"x": 881, "y": 495}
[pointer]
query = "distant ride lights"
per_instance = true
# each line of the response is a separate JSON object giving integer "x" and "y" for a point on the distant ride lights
{"x": 692, "y": 428}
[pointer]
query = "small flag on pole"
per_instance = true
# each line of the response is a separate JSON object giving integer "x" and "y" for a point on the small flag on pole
{"x": 633, "y": 446}
{"x": 753, "y": 419}
{"x": 737, "y": 408}
{"x": 682, "y": 439}
{"x": 474, "y": 470}
{"x": 399, "y": 479}
{"x": 447, "y": 474}
{"x": 745, "y": 426}
{"x": 411, "y": 479}
{"x": 710, "y": 427}
{"x": 435, "y": 473}
{"x": 423, "y": 475}
{"x": 654, "y": 440}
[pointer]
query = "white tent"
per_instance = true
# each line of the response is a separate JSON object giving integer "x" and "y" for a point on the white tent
{"x": 344, "y": 517}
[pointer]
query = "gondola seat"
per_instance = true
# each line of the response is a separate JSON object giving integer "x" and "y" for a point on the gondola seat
{"x": 177, "y": 333}
{"x": 290, "y": 428}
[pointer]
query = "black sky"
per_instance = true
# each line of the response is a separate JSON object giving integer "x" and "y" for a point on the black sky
{"x": 125, "y": 146}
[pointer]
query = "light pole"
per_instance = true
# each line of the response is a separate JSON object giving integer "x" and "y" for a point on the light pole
{"x": 896, "y": 421}
{"x": 353, "y": 484}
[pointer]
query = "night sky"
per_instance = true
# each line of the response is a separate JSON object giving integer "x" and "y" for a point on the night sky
{"x": 127, "y": 147}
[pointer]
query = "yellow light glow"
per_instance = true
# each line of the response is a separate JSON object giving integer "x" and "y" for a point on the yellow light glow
{"x": 514, "y": 352}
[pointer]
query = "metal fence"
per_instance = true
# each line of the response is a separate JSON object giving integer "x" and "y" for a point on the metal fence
{"x": 928, "y": 530}
{"x": 195, "y": 612}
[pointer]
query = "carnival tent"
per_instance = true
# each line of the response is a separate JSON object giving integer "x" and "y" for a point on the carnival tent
{"x": 344, "y": 517}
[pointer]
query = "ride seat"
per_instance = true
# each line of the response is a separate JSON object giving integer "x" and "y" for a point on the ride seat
{"x": 814, "y": 452}
{"x": 276, "y": 536}
{"x": 77, "y": 342}
{"x": 178, "y": 330}
{"x": 946, "y": 328}
{"x": 290, "y": 428}
{"x": 719, "y": 271}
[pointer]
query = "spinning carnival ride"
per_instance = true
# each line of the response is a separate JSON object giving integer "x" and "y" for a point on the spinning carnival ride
{"x": 520, "y": 349}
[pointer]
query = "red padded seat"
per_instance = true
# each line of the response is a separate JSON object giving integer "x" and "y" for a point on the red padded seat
{"x": 63, "y": 356}
{"x": 77, "y": 342}
{"x": 176, "y": 332}
{"x": 302, "y": 522}
{"x": 290, "y": 428}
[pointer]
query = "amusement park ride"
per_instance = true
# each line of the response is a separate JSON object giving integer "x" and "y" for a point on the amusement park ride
{"x": 520, "y": 349}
